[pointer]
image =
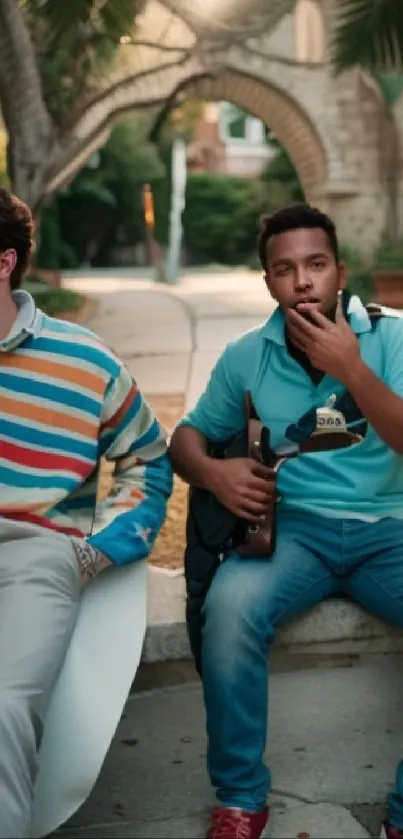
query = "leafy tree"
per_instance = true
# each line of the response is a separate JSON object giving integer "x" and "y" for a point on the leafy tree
{"x": 102, "y": 207}
{"x": 222, "y": 213}
{"x": 369, "y": 33}
{"x": 64, "y": 79}
{"x": 280, "y": 169}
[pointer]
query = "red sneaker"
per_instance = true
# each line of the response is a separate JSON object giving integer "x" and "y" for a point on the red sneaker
{"x": 389, "y": 832}
{"x": 231, "y": 823}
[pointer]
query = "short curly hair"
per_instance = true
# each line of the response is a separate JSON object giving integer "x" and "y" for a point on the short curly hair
{"x": 295, "y": 217}
{"x": 17, "y": 232}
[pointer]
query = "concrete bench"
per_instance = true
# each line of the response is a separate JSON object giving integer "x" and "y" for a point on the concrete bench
{"x": 334, "y": 627}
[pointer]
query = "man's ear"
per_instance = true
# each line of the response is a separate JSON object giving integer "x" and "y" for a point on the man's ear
{"x": 342, "y": 275}
{"x": 8, "y": 261}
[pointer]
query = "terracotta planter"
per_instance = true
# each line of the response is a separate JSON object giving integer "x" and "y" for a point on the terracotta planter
{"x": 389, "y": 288}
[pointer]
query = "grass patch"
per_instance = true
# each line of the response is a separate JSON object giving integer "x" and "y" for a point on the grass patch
{"x": 53, "y": 301}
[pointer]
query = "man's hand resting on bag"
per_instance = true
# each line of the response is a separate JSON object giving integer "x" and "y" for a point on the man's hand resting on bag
{"x": 244, "y": 487}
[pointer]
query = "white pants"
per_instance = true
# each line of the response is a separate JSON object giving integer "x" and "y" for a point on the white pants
{"x": 39, "y": 596}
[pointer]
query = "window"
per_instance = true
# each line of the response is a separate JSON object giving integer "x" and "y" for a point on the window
{"x": 309, "y": 32}
{"x": 238, "y": 126}
{"x": 235, "y": 122}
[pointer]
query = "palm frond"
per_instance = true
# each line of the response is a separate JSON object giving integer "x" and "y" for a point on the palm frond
{"x": 113, "y": 18}
{"x": 369, "y": 33}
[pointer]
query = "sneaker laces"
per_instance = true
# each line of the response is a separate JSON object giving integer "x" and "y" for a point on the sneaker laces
{"x": 233, "y": 824}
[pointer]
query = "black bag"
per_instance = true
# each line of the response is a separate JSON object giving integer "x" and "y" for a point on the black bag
{"x": 211, "y": 533}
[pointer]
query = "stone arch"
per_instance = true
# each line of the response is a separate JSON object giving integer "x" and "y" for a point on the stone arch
{"x": 290, "y": 124}
{"x": 310, "y": 41}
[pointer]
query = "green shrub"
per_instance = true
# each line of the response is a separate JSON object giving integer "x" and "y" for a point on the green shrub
{"x": 389, "y": 257}
{"x": 53, "y": 252}
{"x": 222, "y": 215}
{"x": 53, "y": 301}
{"x": 352, "y": 257}
{"x": 362, "y": 283}
{"x": 360, "y": 275}
{"x": 280, "y": 169}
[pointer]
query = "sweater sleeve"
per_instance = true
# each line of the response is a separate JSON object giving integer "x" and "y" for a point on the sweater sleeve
{"x": 128, "y": 521}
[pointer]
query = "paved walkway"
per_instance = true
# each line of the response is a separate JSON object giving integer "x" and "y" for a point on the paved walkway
{"x": 171, "y": 336}
{"x": 336, "y": 736}
{"x": 333, "y": 746}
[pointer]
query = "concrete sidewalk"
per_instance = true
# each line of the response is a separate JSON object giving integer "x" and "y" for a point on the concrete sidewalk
{"x": 334, "y": 743}
{"x": 170, "y": 336}
{"x": 147, "y": 326}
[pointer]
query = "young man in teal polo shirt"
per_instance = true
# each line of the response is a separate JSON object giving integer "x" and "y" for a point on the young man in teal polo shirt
{"x": 340, "y": 513}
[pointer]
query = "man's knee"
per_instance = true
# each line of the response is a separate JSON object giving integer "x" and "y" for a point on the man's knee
{"x": 237, "y": 612}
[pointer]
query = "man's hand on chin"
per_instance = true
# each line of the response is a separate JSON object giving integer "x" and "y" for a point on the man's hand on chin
{"x": 330, "y": 347}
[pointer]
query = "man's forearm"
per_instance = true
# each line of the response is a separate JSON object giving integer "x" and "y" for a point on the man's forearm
{"x": 131, "y": 517}
{"x": 379, "y": 404}
{"x": 189, "y": 456}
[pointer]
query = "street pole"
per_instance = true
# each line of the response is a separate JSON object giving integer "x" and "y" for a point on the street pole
{"x": 179, "y": 176}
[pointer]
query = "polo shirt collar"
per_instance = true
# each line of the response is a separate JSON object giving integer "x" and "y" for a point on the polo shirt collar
{"x": 27, "y": 322}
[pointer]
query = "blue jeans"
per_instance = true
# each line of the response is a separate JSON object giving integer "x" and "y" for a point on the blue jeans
{"x": 249, "y": 599}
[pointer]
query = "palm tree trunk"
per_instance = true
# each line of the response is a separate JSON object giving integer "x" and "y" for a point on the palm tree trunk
{"x": 29, "y": 127}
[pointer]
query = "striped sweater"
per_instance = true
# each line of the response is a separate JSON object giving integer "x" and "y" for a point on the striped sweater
{"x": 65, "y": 402}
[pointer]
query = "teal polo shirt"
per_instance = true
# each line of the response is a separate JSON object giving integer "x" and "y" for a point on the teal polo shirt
{"x": 364, "y": 481}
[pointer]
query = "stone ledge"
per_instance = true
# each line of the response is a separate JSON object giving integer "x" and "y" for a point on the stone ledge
{"x": 335, "y": 626}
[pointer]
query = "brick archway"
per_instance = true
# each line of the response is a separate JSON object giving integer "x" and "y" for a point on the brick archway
{"x": 281, "y": 113}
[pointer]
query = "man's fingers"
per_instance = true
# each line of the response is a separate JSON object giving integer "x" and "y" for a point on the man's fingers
{"x": 321, "y": 320}
{"x": 299, "y": 340}
{"x": 259, "y": 510}
{"x": 247, "y": 516}
{"x": 261, "y": 476}
{"x": 252, "y": 512}
{"x": 301, "y": 324}
{"x": 261, "y": 470}
{"x": 258, "y": 487}
{"x": 295, "y": 330}
{"x": 263, "y": 498}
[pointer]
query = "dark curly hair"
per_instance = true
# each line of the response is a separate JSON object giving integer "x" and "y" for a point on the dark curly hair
{"x": 17, "y": 231}
{"x": 294, "y": 218}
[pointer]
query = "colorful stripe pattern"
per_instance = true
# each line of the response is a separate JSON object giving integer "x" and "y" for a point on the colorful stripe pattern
{"x": 66, "y": 401}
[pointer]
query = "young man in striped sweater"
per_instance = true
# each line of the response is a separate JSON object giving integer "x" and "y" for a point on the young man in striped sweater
{"x": 65, "y": 402}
